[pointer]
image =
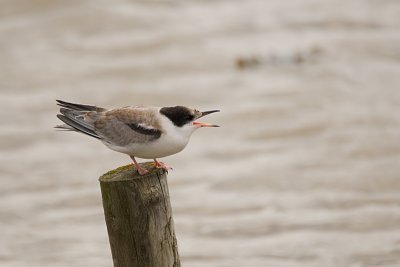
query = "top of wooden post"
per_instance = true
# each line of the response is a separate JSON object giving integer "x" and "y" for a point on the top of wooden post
{"x": 129, "y": 172}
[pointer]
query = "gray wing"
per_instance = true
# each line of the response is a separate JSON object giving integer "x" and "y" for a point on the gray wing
{"x": 126, "y": 126}
{"x": 117, "y": 127}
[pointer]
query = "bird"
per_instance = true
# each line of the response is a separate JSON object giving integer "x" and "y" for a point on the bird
{"x": 146, "y": 132}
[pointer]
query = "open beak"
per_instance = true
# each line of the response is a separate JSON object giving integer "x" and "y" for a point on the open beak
{"x": 202, "y": 124}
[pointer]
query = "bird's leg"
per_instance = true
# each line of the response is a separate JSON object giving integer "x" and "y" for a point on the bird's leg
{"x": 141, "y": 170}
{"x": 161, "y": 165}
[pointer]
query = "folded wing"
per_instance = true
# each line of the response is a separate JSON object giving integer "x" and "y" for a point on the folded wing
{"x": 117, "y": 127}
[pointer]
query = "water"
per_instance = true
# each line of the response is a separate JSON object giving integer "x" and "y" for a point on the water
{"x": 305, "y": 170}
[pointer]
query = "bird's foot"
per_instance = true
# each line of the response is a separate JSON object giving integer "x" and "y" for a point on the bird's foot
{"x": 141, "y": 170}
{"x": 162, "y": 165}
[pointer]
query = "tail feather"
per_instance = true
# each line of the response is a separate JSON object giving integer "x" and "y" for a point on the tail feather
{"x": 73, "y": 117}
{"x": 64, "y": 127}
{"x": 76, "y": 125}
{"x": 77, "y": 114}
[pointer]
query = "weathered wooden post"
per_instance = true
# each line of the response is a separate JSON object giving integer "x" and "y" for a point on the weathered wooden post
{"x": 138, "y": 215}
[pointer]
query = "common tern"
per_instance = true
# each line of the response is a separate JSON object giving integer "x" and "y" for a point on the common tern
{"x": 138, "y": 131}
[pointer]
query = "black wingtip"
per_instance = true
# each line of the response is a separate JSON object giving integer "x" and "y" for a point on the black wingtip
{"x": 78, "y": 107}
{"x": 61, "y": 103}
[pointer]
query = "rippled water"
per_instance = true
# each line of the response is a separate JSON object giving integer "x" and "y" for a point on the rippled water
{"x": 305, "y": 170}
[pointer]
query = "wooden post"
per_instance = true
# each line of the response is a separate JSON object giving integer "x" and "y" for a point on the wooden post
{"x": 138, "y": 215}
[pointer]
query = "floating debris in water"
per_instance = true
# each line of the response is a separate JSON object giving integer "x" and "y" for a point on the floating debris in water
{"x": 243, "y": 62}
{"x": 296, "y": 58}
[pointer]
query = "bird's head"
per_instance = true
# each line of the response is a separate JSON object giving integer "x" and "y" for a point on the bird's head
{"x": 186, "y": 118}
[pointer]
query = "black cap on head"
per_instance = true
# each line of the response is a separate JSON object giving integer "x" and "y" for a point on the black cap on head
{"x": 179, "y": 115}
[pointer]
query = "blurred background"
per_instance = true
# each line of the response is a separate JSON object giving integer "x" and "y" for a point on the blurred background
{"x": 305, "y": 170}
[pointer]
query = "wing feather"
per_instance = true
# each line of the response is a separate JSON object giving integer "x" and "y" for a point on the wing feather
{"x": 81, "y": 107}
{"x": 119, "y": 127}
{"x": 128, "y": 125}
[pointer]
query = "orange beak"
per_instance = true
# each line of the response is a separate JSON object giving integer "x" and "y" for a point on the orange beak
{"x": 202, "y": 124}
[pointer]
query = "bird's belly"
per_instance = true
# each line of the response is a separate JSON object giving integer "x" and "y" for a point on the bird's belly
{"x": 154, "y": 149}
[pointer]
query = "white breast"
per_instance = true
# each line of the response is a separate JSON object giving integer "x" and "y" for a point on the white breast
{"x": 173, "y": 140}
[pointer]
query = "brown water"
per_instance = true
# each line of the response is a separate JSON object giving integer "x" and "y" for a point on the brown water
{"x": 305, "y": 170}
